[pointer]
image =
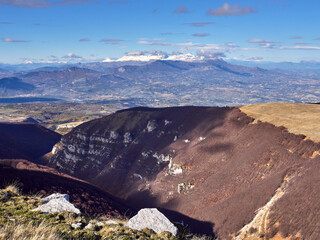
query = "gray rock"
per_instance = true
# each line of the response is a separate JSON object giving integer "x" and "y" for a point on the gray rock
{"x": 153, "y": 219}
{"x": 76, "y": 225}
{"x": 89, "y": 226}
{"x": 56, "y": 196}
{"x": 57, "y": 203}
{"x": 111, "y": 222}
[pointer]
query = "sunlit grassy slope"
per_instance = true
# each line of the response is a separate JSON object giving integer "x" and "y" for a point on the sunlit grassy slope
{"x": 298, "y": 118}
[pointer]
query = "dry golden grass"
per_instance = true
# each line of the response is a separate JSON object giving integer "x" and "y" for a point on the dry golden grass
{"x": 298, "y": 118}
{"x": 12, "y": 231}
{"x": 13, "y": 187}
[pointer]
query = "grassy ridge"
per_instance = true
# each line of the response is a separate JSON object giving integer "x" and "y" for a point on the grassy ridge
{"x": 298, "y": 118}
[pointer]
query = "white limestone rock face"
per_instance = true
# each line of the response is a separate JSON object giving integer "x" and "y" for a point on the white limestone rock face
{"x": 57, "y": 203}
{"x": 151, "y": 218}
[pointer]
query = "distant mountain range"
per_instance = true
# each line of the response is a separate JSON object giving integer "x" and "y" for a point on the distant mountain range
{"x": 163, "y": 83}
{"x": 301, "y": 66}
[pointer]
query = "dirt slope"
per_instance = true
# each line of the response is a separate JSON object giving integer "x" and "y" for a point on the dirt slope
{"x": 35, "y": 178}
{"x": 215, "y": 165}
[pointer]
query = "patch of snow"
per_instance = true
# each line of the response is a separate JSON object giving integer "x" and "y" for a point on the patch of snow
{"x": 188, "y": 57}
{"x": 175, "y": 138}
{"x": 186, "y": 140}
{"x": 140, "y": 58}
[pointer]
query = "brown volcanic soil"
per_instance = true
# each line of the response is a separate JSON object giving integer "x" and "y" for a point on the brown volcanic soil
{"x": 26, "y": 140}
{"x": 230, "y": 166}
{"x": 35, "y": 178}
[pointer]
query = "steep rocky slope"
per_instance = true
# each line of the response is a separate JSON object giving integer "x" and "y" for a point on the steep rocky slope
{"x": 215, "y": 165}
{"x": 26, "y": 140}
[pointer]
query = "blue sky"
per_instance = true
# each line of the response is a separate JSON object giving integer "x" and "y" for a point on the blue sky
{"x": 92, "y": 30}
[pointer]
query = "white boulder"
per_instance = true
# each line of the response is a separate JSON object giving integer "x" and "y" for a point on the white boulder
{"x": 111, "y": 222}
{"x": 76, "y": 225}
{"x": 57, "y": 203}
{"x": 151, "y": 218}
{"x": 55, "y": 196}
{"x": 89, "y": 226}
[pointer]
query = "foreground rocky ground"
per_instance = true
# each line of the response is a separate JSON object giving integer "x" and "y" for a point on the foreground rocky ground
{"x": 21, "y": 218}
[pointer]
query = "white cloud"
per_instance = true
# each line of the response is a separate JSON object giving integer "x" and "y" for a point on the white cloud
{"x": 42, "y": 3}
{"x": 228, "y": 9}
{"x": 210, "y": 54}
{"x": 84, "y": 40}
{"x": 72, "y": 56}
{"x": 13, "y": 40}
{"x": 299, "y": 47}
{"x": 201, "y": 34}
{"x": 199, "y": 24}
{"x": 259, "y": 40}
{"x": 181, "y": 9}
{"x": 111, "y": 41}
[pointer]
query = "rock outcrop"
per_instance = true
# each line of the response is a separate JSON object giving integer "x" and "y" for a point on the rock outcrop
{"x": 57, "y": 203}
{"x": 151, "y": 218}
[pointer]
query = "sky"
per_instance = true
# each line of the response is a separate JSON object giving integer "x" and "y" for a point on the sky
{"x": 94, "y": 30}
